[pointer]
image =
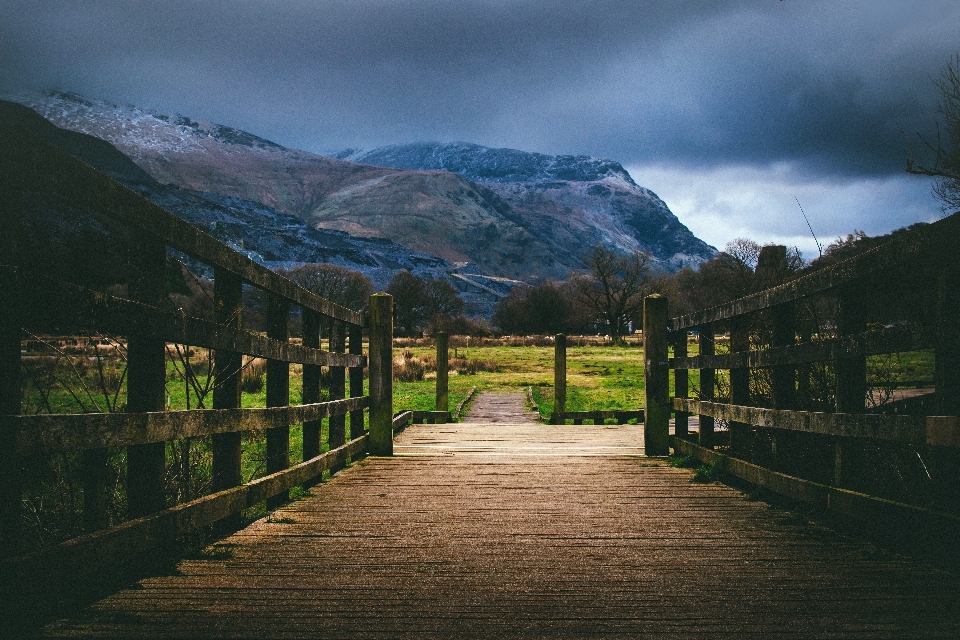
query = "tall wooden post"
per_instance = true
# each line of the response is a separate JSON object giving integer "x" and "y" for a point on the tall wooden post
{"x": 443, "y": 394}
{"x": 337, "y": 433}
{"x": 146, "y": 377}
{"x": 278, "y": 394}
{"x": 681, "y": 385}
{"x": 707, "y": 380}
{"x": 656, "y": 427}
{"x": 228, "y": 306}
{"x": 311, "y": 388}
{"x": 11, "y": 478}
{"x": 356, "y": 380}
{"x": 947, "y": 353}
{"x": 381, "y": 374}
{"x": 851, "y": 369}
{"x": 739, "y": 384}
{"x": 559, "y": 378}
{"x": 784, "y": 377}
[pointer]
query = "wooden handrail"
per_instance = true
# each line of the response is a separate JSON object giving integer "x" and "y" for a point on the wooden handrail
{"x": 927, "y": 245}
{"x": 48, "y": 433}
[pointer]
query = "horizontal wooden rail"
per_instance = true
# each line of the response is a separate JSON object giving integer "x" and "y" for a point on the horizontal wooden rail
{"x": 888, "y": 340}
{"x": 460, "y": 405}
{"x": 80, "y": 308}
{"x": 912, "y": 429}
{"x": 889, "y": 519}
{"x": 402, "y": 420}
{"x": 908, "y": 252}
{"x": 64, "y": 432}
{"x": 35, "y": 165}
{"x": 599, "y": 417}
{"x": 93, "y": 565}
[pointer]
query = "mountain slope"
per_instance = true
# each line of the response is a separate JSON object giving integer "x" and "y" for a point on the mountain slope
{"x": 262, "y": 233}
{"x": 571, "y": 200}
{"x": 511, "y": 213}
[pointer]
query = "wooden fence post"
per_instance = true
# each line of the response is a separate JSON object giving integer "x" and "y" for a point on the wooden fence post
{"x": 851, "y": 371}
{"x": 559, "y": 379}
{"x": 681, "y": 384}
{"x": 381, "y": 374}
{"x": 739, "y": 384}
{"x": 11, "y": 478}
{"x": 656, "y": 427}
{"x": 228, "y": 305}
{"x": 784, "y": 377}
{"x": 311, "y": 388}
{"x": 707, "y": 378}
{"x": 947, "y": 353}
{"x": 356, "y": 381}
{"x": 337, "y": 434}
{"x": 146, "y": 378}
{"x": 278, "y": 394}
{"x": 443, "y": 394}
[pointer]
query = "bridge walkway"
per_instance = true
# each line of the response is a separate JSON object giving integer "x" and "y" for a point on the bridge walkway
{"x": 527, "y": 530}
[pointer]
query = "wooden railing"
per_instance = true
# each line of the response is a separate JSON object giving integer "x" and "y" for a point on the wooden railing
{"x": 794, "y": 379}
{"x": 39, "y": 583}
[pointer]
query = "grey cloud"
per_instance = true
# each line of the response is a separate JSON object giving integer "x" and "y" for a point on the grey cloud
{"x": 821, "y": 84}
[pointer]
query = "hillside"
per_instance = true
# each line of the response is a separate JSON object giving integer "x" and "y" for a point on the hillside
{"x": 510, "y": 213}
{"x": 262, "y": 233}
{"x": 571, "y": 201}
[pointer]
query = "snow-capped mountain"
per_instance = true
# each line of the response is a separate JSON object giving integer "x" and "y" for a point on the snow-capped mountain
{"x": 574, "y": 200}
{"x": 512, "y": 214}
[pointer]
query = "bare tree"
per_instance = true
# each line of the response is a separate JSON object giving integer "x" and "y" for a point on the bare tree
{"x": 348, "y": 288}
{"x": 946, "y": 148}
{"x": 615, "y": 287}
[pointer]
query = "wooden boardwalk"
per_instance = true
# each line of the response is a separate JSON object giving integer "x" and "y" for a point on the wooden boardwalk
{"x": 527, "y": 530}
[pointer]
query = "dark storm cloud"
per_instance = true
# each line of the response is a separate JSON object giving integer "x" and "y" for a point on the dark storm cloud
{"x": 820, "y": 84}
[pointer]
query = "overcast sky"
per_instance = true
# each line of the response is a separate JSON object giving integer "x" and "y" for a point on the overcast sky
{"x": 731, "y": 111}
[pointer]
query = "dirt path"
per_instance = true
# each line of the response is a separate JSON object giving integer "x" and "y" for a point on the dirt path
{"x": 509, "y": 408}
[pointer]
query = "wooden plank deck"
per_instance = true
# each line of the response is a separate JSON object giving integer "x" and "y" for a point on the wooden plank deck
{"x": 528, "y": 530}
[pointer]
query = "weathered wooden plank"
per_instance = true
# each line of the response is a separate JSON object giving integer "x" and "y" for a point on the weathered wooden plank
{"x": 80, "y": 308}
{"x": 911, "y": 251}
{"x": 146, "y": 380}
{"x": 895, "y": 428}
{"x": 278, "y": 394}
{"x": 32, "y": 164}
{"x": 529, "y": 534}
{"x": 895, "y": 339}
{"x": 381, "y": 374}
{"x": 69, "y": 432}
{"x": 943, "y": 431}
{"x": 559, "y": 376}
{"x": 656, "y": 370}
{"x": 227, "y": 447}
{"x": 443, "y": 392}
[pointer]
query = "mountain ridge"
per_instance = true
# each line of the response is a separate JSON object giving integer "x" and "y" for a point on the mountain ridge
{"x": 539, "y": 227}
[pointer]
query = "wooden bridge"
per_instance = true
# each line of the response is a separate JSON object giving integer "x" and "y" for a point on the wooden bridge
{"x": 490, "y": 528}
